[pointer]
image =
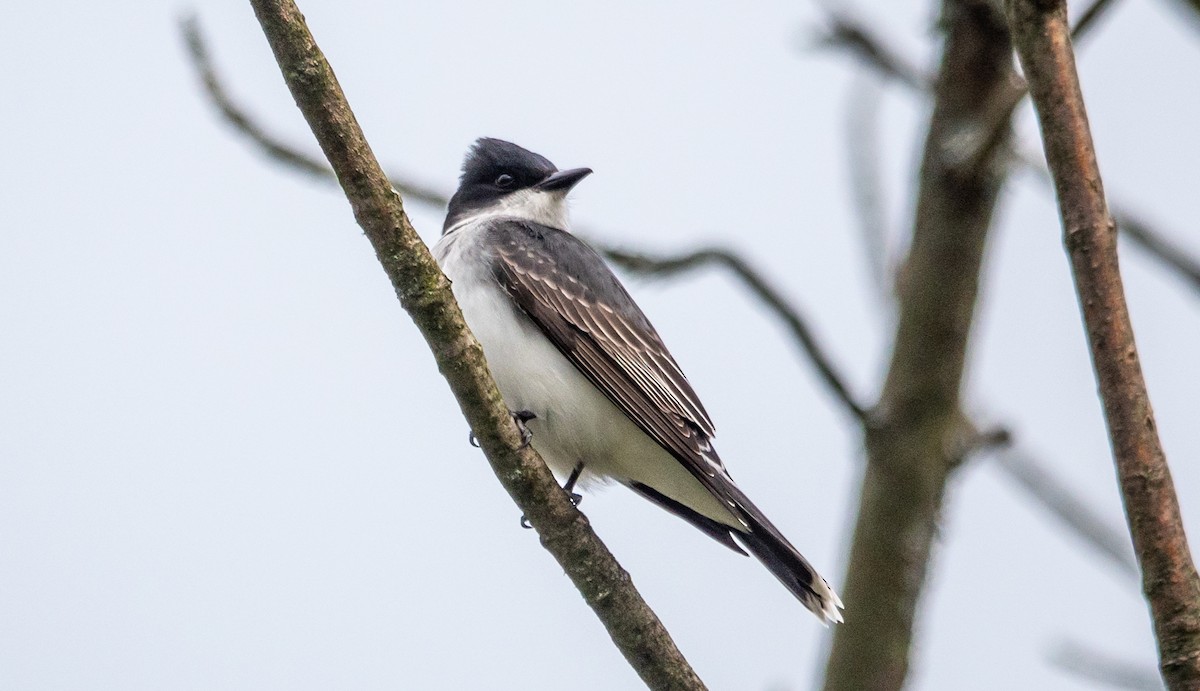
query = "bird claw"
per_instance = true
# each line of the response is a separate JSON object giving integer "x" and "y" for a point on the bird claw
{"x": 521, "y": 417}
{"x": 575, "y": 497}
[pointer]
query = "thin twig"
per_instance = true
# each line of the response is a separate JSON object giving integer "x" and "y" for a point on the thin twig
{"x": 269, "y": 144}
{"x": 662, "y": 266}
{"x": 425, "y": 294}
{"x": 1174, "y": 256}
{"x": 1057, "y": 498}
{"x": 1090, "y": 17}
{"x": 846, "y": 33}
{"x": 1100, "y": 668}
{"x": 1169, "y": 578}
{"x": 866, "y": 181}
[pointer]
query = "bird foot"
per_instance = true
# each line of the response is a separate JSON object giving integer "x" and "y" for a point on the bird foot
{"x": 520, "y": 417}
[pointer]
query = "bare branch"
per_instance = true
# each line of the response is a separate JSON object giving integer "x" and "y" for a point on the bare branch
{"x": 269, "y": 144}
{"x": 853, "y": 36}
{"x": 1138, "y": 232}
{"x": 1169, "y": 576}
{"x": 866, "y": 181}
{"x": 1057, "y": 498}
{"x": 663, "y": 266}
{"x": 425, "y": 293}
{"x": 1090, "y": 17}
{"x": 914, "y": 442}
{"x": 1100, "y": 668}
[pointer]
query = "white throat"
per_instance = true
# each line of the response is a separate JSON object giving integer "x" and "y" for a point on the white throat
{"x": 534, "y": 205}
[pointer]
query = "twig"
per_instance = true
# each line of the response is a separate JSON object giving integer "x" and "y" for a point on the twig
{"x": 866, "y": 181}
{"x": 272, "y": 146}
{"x": 1099, "y": 668}
{"x": 1171, "y": 254}
{"x": 662, "y": 266}
{"x": 1054, "y": 496}
{"x": 852, "y": 35}
{"x": 1090, "y": 17}
{"x": 425, "y": 293}
{"x": 1169, "y": 577}
{"x": 1133, "y": 228}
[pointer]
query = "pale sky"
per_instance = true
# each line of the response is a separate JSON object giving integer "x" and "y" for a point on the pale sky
{"x": 227, "y": 460}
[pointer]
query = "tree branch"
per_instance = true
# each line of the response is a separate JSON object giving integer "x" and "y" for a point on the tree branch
{"x": 1052, "y": 494}
{"x": 1101, "y": 669}
{"x": 425, "y": 293}
{"x": 919, "y": 432}
{"x": 866, "y": 181}
{"x": 663, "y": 266}
{"x": 269, "y": 144}
{"x": 1169, "y": 577}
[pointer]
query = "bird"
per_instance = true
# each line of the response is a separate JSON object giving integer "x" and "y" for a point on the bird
{"x": 585, "y": 373}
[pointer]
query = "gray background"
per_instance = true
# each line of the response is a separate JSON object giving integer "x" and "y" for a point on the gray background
{"x": 227, "y": 460}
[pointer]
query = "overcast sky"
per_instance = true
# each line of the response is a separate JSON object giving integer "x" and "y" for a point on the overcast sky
{"x": 227, "y": 460}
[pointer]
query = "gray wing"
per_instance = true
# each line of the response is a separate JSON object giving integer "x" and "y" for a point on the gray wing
{"x": 568, "y": 291}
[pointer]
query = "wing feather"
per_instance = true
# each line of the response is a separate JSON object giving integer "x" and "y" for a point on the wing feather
{"x": 593, "y": 321}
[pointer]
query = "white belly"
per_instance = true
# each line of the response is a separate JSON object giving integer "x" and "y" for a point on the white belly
{"x": 576, "y": 423}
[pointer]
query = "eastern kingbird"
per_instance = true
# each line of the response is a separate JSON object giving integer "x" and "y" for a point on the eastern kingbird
{"x": 569, "y": 349}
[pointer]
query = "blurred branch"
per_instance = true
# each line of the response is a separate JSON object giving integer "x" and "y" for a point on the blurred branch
{"x": 757, "y": 284}
{"x": 1174, "y": 256}
{"x": 269, "y": 144}
{"x": 866, "y": 181}
{"x": 912, "y": 444}
{"x": 1053, "y": 495}
{"x": 1099, "y": 668}
{"x": 858, "y": 39}
{"x": 1091, "y": 16}
{"x": 425, "y": 294}
{"x": 853, "y": 36}
{"x": 1169, "y": 577}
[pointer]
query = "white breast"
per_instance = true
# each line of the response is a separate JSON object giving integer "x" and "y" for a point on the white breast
{"x": 575, "y": 421}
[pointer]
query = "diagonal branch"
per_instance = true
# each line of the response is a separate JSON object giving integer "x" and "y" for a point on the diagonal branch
{"x": 866, "y": 181}
{"x": 758, "y": 285}
{"x": 1103, "y": 670}
{"x": 1053, "y": 495}
{"x": 269, "y": 144}
{"x": 425, "y": 294}
{"x": 1169, "y": 577}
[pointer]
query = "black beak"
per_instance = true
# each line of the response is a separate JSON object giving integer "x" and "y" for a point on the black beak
{"x": 564, "y": 179}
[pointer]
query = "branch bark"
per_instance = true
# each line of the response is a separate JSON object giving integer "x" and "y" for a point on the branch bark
{"x": 425, "y": 293}
{"x": 1169, "y": 577}
{"x": 918, "y": 432}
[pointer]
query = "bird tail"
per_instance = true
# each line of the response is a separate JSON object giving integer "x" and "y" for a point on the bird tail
{"x": 770, "y": 547}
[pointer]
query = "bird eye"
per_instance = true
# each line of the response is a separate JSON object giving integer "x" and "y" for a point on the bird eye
{"x": 505, "y": 180}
